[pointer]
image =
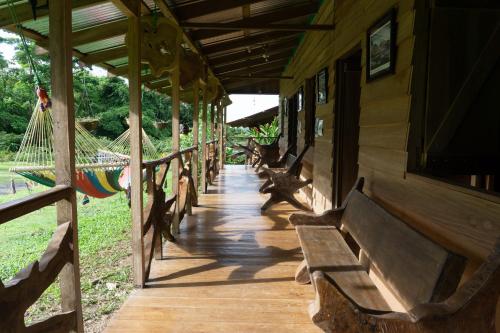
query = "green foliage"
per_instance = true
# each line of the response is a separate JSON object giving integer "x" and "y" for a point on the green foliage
{"x": 266, "y": 133}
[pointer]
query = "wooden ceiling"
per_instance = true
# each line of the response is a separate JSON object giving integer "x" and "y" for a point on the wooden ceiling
{"x": 247, "y": 43}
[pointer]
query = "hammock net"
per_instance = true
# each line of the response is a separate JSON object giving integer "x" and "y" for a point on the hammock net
{"x": 98, "y": 170}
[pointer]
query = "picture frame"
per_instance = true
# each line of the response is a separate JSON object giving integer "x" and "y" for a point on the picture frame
{"x": 300, "y": 99}
{"x": 322, "y": 86}
{"x": 284, "y": 106}
{"x": 318, "y": 127}
{"x": 381, "y": 47}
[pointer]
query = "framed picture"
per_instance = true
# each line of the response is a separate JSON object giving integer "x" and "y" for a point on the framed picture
{"x": 284, "y": 106}
{"x": 300, "y": 99}
{"x": 322, "y": 86}
{"x": 299, "y": 127}
{"x": 318, "y": 127}
{"x": 381, "y": 47}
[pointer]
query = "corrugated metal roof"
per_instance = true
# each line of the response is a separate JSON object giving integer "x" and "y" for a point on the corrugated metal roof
{"x": 118, "y": 62}
{"x": 83, "y": 18}
{"x": 102, "y": 44}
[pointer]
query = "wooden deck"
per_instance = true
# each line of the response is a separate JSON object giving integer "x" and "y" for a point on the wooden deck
{"x": 231, "y": 270}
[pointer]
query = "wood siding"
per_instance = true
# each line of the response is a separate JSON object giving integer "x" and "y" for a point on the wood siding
{"x": 465, "y": 221}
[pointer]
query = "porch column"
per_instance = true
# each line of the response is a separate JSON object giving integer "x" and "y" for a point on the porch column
{"x": 64, "y": 146}
{"x": 220, "y": 132}
{"x": 224, "y": 133}
{"x": 212, "y": 121}
{"x": 176, "y": 103}
{"x": 196, "y": 106}
{"x": 135, "y": 119}
{"x": 204, "y": 141}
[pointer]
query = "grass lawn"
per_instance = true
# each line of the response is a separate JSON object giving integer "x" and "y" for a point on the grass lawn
{"x": 5, "y": 175}
{"x": 104, "y": 239}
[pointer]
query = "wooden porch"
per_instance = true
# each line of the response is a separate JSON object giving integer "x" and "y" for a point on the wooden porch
{"x": 231, "y": 269}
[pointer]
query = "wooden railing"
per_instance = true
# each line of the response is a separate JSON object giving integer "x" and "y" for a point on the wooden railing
{"x": 161, "y": 212}
{"x": 24, "y": 289}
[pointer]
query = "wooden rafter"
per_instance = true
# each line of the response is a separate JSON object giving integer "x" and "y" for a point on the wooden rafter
{"x": 104, "y": 31}
{"x": 255, "y": 77}
{"x": 253, "y": 40}
{"x": 243, "y": 55}
{"x": 103, "y": 56}
{"x": 24, "y": 13}
{"x": 201, "y": 8}
{"x": 259, "y": 26}
{"x": 128, "y": 7}
{"x": 284, "y": 55}
{"x": 276, "y": 64}
{"x": 276, "y": 16}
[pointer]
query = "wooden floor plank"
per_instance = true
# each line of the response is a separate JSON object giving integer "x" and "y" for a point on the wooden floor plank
{"x": 231, "y": 269}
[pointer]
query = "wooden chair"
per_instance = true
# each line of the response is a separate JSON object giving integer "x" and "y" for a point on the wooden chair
{"x": 283, "y": 185}
{"x": 422, "y": 275}
{"x": 267, "y": 154}
{"x": 287, "y": 164}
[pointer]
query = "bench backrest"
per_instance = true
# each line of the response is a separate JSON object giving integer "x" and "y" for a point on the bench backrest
{"x": 290, "y": 159}
{"x": 413, "y": 267}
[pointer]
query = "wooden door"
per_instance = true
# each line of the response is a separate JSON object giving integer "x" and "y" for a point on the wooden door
{"x": 346, "y": 134}
{"x": 292, "y": 124}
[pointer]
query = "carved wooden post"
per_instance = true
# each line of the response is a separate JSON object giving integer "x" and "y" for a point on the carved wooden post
{"x": 135, "y": 118}
{"x": 204, "y": 141}
{"x": 196, "y": 106}
{"x": 64, "y": 145}
{"x": 175, "y": 79}
{"x": 212, "y": 121}
{"x": 224, "y": 134}
{"x": 220, "y": 132}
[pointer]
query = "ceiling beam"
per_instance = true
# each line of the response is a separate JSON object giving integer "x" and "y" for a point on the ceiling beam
{"x": 243, "y": 55}
{"x": 277, "y": 66}
{"x": 100, "y": 32}
{"x": 263, "y": 38}
{"x": 255, "y": 77}
{"x": 103, "y": 56}
{"x": 24, "y": 13}
{"x": 252, "y": 62}
{"x": 201, "y": 8}
{"x": 260, "y": 26}
{"x": 241, "y": 84}
{"x": 129, "y": 8}
{"x": 276, "y": 16}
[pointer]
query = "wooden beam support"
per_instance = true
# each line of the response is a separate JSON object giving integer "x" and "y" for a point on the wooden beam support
{"x": 288, "y": 12}
{"x": 64, "y": 147}
{"x": 100, "y": 32}
{"x": 271, "y": 65}
{"x": 107, "y": 55}
{"x": 129, "y": 8}
{"x": 248, "y": 41}
{"x": 255, "y": 77}
{"x": 204, "y": 140}
{"x": 24, "y": 13}
{"x": 196, "y": 107}
{"x": 257, "y": 52}
{"x": 259, "y": 26}
{"x": 212, "y": 120}
{"x": 220, "y": 132}
{"x": 201, "y": 8}
{"x": 176, "y": 104}
{"x": 135, "y": 117}
{"x": 283, "y": 56}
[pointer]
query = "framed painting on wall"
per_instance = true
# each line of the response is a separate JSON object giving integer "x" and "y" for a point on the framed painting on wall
{"x": 300, "y": 99}
{"x": 318, "y": 128}
{"x": 381, "y": 47}
{"x": 322, "y": 86}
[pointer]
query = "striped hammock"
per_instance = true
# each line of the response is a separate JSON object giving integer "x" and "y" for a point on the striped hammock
{"x": 98, "y": 170}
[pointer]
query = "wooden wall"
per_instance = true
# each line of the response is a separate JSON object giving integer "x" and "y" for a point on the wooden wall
{"x": 461, "y": 219}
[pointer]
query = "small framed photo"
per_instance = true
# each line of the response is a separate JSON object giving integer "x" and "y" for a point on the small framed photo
{"x": 318, "y": 127}
{"x": 300, "y": 99}
{"x": 299, "y": 127}
{"x": 381, "y": 47}
{"x": 322, "y": 86}
{"x": 284, "y": 106}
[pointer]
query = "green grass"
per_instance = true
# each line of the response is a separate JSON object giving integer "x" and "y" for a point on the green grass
{"x": 104, "y": 240}
{"x": 6, "y": 175}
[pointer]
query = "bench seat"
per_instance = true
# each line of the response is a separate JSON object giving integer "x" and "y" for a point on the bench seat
{"x": 325, "y": 250}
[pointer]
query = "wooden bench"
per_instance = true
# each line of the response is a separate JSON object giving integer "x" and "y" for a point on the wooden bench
{"x": 282, "y": 185}
{"x": 267, "y": 154}
{"x": 344, "y": 247}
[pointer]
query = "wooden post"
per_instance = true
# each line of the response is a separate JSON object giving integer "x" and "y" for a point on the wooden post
{"x": 64, "y": 145}
{"x": 212, "y": 121}
{"x": 135, "y": 118}
{"x": 220, "y": 132}
{"x": 204, "y": 141}
{"x": 176, "y": 103}
{"x": 224, "y": 134}
{"x": 196, "y": 106}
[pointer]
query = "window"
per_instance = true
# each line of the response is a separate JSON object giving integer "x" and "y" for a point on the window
{"x": 455, "y": 132}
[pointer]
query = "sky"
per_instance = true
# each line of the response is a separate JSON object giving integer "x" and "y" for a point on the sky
{"x": 242, "y": 106}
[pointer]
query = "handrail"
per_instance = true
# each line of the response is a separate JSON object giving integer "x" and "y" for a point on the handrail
{"x": 168, "y": 158}
{"x": 17, "y": 208}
